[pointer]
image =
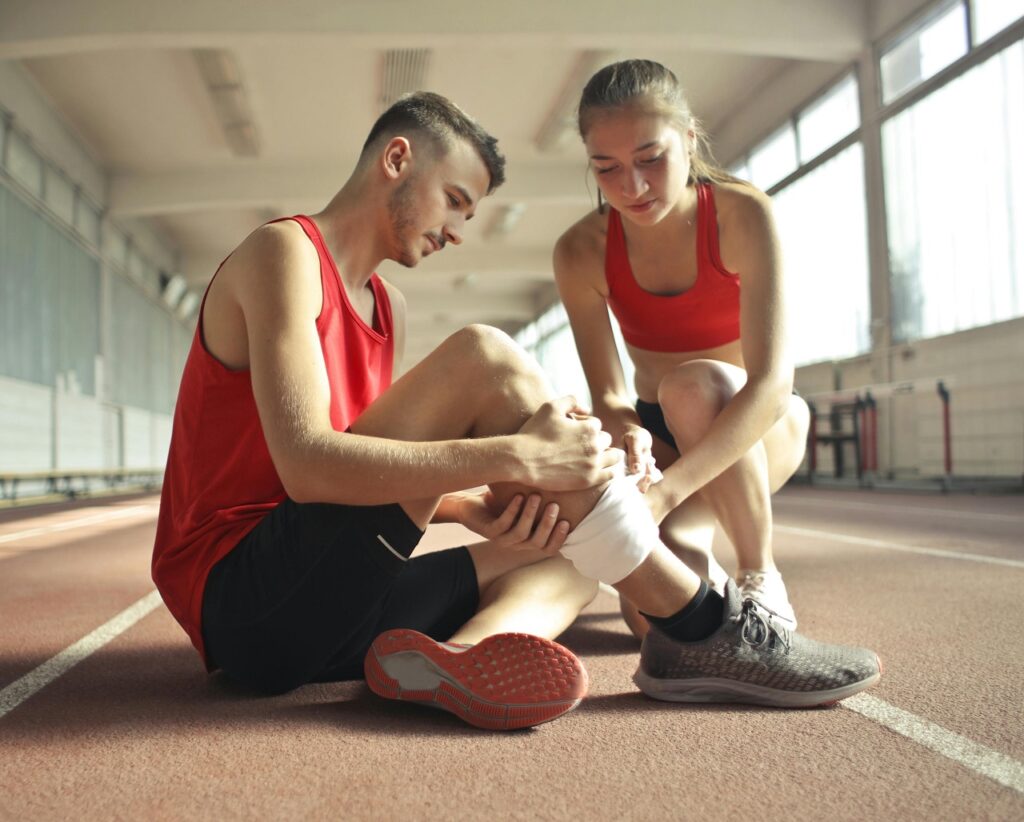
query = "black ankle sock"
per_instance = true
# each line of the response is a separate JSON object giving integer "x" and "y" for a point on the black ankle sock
{"x": 698, "y": 619}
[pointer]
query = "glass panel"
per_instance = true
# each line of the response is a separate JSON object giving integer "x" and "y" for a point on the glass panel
{"x": 141, "y": 362}
{"x": 992, "y": 16}
{"x": 955, "y": 202}
{"x": 774, "y": 159}
{"x": 136, "y": 264}
{"x": 829, "y": 119}
{"x": 115, "y": 247}
{"x": 60, "y": 195}
{"x": 822, "y": 226}
{"x": 924, "y": 52}
{"x": 49, "y": 300}
{"x": 24, "y": 164}
{"x": 88, "y": 220}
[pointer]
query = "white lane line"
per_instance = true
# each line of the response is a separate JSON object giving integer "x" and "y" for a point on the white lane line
{"x": 893, "y": 546}
{"x": 106, "y": 516}
{"x": 978, "y": 758}
{"x": 21, "y": 689}
{"x": 895, "y": 508}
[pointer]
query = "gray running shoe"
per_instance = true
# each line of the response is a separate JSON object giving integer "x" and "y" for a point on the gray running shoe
{"x": 753, "y": 658}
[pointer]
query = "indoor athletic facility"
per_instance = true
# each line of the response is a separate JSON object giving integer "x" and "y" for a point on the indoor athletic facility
{"x": 141, "y": 144}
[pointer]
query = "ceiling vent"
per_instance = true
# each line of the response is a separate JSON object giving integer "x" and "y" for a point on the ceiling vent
{"x": 230, "y": 100}
{"x": 405, "y": 70}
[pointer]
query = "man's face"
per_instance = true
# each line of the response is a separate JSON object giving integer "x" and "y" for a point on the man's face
{"x": 429, "y": 208}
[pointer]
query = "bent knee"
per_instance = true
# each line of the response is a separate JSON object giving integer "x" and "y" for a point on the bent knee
{"x": 485, "y": 340}
{"x": 702, "y": 383}
{"x": 798, "y": 419}
{"x": 492, "y": 349}
{"x": 692, "y": 395}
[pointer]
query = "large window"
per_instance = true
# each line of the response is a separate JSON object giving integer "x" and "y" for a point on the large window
{"x": 992, "y": 16}
{"x": 955, "y": 202}
{"x": 924, "y": 51}
{"x": 822, "y": 226}
{"x": 828, "y": 119}
{"x": 821, "y": 218}
{"x": 549, "y": 338}
{"x": 774, "y": 159}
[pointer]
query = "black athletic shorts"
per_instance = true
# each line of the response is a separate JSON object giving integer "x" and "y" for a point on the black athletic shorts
{"x": 652, "y": 418}
{"x": 303, "y": 595}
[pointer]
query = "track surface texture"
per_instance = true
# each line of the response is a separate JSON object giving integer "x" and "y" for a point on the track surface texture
{"x": 106, "y": 712}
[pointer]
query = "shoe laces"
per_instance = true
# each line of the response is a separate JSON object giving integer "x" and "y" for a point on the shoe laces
{"x": 759, "y": 629}
{"x": 756, "y": 583}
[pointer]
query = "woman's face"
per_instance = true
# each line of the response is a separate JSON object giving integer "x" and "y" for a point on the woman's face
{"x": 640, "y": 161}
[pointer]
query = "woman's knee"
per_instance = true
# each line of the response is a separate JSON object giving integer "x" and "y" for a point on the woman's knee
{"x": 692, "y": 395}
{"x": 798, "y": 419}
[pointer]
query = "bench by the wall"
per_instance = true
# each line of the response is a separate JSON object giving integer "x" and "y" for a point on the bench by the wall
{"x": 71, "y": 483}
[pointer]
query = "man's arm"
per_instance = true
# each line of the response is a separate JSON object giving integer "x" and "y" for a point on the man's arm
{"x": 280, "y": 297}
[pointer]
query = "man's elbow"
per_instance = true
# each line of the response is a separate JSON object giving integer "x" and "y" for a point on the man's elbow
{"x": 296, "y": 480}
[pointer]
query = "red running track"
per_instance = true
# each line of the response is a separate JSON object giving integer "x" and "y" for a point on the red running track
{"x": 138, "y": 730}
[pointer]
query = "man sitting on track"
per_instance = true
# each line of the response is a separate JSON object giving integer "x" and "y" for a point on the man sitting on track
{"x": 300, "y": 480}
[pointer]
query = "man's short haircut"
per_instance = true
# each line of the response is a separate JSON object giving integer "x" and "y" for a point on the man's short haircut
{"x": 441, "y": 121}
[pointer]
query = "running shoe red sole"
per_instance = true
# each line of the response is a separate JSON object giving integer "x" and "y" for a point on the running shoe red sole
{"x": 504, "y": 682}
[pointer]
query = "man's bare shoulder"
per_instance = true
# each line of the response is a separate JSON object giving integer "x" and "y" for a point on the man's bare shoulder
{"x": 397, "y": 300}
{"x": 394, "y": 293}
{"x": 273, "y": 253}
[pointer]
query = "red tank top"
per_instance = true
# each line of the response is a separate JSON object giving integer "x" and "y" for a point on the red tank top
{"x": 704, "y": 316}
{"x": 220, "y": 480}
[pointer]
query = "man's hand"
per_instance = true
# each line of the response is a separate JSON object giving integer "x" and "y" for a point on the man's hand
{"x": 564, "y": 448}
{"x": 520, "y": 526}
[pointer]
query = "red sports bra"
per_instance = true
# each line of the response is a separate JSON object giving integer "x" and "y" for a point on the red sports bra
{"x": 704, "y": 316}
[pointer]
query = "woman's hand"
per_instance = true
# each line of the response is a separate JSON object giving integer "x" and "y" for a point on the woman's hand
{"x": 637, "y": 442}
{"x": 522, "y": 525}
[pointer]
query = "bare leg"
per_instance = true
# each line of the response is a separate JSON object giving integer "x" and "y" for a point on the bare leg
{"x": 691, "y": 397}
{"x": 541, "y": 599}
{"x": 688, "y": 532}
{"x": 479, "y": 383}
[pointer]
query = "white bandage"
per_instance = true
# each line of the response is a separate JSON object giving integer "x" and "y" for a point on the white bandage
{"x": 616, "y": 536}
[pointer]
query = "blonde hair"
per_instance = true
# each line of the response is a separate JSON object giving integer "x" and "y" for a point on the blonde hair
{"x": 653, "y": 88}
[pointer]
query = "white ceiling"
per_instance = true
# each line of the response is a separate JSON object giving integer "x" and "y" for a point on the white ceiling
{"x": 124, "y": 76}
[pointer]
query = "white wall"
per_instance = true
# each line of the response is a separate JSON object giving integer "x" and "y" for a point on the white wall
{"x": 79, "y": 432}
{"x": 88, "y": 434}
{"x": 985, "y": 371}
{"x": 26, "y": 426}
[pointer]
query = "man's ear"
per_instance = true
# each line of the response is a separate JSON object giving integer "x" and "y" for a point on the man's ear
{"x": 396, "y": 157}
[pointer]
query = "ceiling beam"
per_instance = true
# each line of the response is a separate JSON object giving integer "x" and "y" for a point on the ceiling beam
{"x": 245, "y": 187}
{"x": 798, "y": 29}
{"x": 497, "y": 271}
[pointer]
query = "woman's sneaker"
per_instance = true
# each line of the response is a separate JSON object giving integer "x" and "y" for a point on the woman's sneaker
{"x": 768, "y": 589}
{"x": 503, "y": 682}
{"x": 753, "y": 658}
